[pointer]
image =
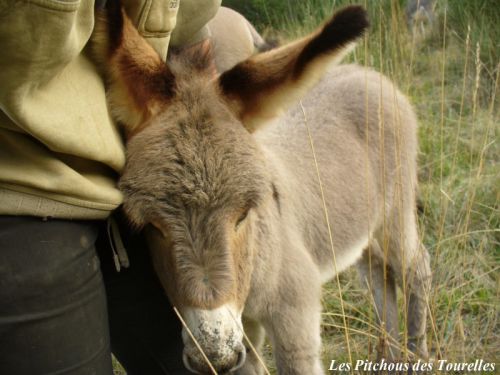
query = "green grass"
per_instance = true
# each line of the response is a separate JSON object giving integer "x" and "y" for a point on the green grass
{"x": 450, "y": 74}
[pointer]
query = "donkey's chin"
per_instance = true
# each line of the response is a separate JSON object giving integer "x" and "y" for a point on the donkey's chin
{"x": 222, "y": 364}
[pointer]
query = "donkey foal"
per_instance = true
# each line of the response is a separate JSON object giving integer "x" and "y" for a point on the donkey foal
{"x": 226, "y": 189}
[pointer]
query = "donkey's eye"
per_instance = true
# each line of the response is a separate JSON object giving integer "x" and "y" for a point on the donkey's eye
{"x": 242, "y": 217}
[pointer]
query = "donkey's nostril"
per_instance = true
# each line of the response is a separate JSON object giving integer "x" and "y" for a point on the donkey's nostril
{"x": 223, "y": 364}
{"x": 236, "y": 362}
{"x": 187, "y": 363}
{"x": 242, "y": 356}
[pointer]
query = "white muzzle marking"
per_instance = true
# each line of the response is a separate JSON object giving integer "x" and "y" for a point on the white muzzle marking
{"x": 219, "y": 333}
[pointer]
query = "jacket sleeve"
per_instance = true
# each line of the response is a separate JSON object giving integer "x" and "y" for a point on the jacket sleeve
{"x": 57, "y": 141}
{"x": 39, "y": 38}
{"x": 192, "y": 21}
{"x": 155, "y": 20}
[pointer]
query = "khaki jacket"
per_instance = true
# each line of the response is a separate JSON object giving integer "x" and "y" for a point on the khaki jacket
{"x": 60, "y": 152}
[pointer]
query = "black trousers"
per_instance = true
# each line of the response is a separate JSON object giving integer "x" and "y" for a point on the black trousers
{"x": 64, "y": 308}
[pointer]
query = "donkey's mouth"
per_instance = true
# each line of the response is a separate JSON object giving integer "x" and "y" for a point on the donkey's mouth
{"x": 199, "y": 364}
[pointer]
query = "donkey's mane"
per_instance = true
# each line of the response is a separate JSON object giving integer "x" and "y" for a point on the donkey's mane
{"x": 194, "y": 60}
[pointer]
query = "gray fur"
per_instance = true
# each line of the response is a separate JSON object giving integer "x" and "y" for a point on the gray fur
{"x": 196, "y": 165}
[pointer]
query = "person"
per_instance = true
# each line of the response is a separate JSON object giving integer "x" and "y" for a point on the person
{"x": 64, "y": 307}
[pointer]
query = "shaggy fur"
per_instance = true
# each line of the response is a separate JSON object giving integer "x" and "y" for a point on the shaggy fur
{"x": 231, "y": 202}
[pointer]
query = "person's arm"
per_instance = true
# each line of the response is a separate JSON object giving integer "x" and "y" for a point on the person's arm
{"x": 38, "y": 39}
{"x": 192, "y": 22}
{"x": 155, "y": 20}
{"x": 178, "y": 23}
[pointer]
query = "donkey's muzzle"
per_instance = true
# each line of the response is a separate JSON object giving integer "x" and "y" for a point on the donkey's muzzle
{"x": 222, "y": 364}
{"x": 213, "y": 340}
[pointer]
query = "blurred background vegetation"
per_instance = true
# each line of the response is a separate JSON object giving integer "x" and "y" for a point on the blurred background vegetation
{"x": 447, "y": 61}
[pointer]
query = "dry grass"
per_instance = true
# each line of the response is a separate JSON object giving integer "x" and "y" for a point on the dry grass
{"x": 456, "y": 97}
{"x": 454, "y": 86}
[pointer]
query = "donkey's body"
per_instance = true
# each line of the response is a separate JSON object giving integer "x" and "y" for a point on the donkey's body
{"x": 347, "y": 114}
{"x": 342, "y": 113}
{"x": 233, "y": 209}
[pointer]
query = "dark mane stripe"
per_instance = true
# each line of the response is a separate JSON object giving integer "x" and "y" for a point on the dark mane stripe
{"x": 114, "y": 18}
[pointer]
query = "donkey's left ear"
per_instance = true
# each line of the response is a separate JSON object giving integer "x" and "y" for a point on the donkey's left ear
{"x": 260, "y": 87}
{"x": 140, "y": 83}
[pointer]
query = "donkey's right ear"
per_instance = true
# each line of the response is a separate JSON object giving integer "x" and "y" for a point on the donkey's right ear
{"x": 260, "y": 87}
{"x": 139, "y": 81}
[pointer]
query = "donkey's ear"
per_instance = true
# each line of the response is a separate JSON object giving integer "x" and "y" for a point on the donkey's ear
{"x": 139, "y": 81}
{"x": 260, "y": 87}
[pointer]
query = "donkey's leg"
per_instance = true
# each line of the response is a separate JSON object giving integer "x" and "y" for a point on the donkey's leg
{"x": 383, "y": 288}
{"x": 418, "y": 283}
{"x": 293, "y": 323}
{"x": 255, "y": 334}
{"x": 296, "y": 340}
{"x": 413, "y": 272}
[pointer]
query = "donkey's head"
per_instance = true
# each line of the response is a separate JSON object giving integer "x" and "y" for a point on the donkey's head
{"x": 195, "y": 177}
